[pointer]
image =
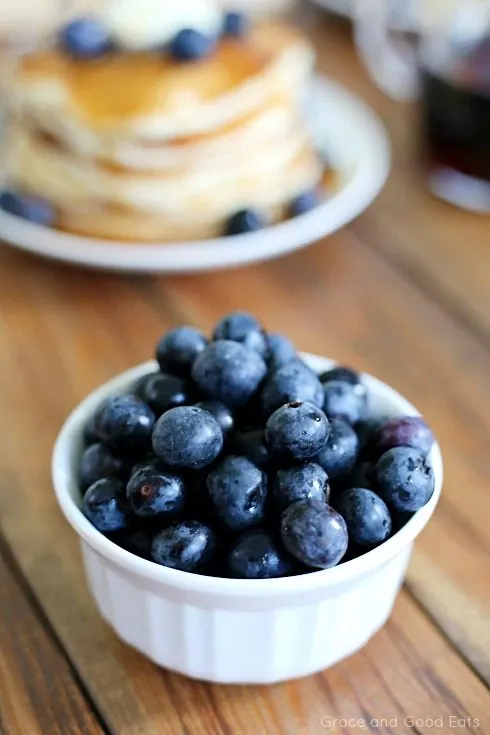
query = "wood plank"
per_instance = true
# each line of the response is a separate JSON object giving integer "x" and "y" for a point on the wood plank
{"x": 444, "y": 249}
{"x": 65, "y": 331}
{"x": 359, "y": 310}
{"x": 39, "y": 692}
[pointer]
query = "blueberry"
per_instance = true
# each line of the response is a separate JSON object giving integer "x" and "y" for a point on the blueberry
{"x": 247, "y": 220}
{"x": 361, "y": 475}
{"x": 229, "y": 371}
{"x": 280, "y": 351}
{"x": 187, "y": 437}
{"x": 340, "y": 452}
{"x": 135, "y": 540}
{"x": 297, "y": 431}
{"x": 240, "y": 326}
{"x": 29, "y": 207}
{"x": 314, "y": 533}
{"x": 304, "y": 203}
{"x": 139, "y": 389}
{"x": 178, "y": 349}
{"x": 98, "y": 462}
{"x": 345, "y": 374}
{"x": 404, "y": 431}
{"x": 292, "y": 382}
{"x": 85, "y": 38}
{"x": 367, "y": 517}
{"x": 191, "y": 45}
{"x": 345, "y": 401}
{"x": 148, "y": 463}
{"x": 366, "y": 431}
{"x": 153, "y": 492}
{"x": 188, "y": 546}
{"x": 238, "y": 491}
{"x": 404, "y": 478}
{"x": 257, "y": 556}
{"x": 89, "y": 433}
{"x": 302, "y": 482}
{"x": 251, "y": 444}
{"x": 162, "y": 392}
{"x": 235, "y": 24}
{"x": 105, "y": 505}
{"x": 125, "y": 423}
{"x": 221, "y": 413}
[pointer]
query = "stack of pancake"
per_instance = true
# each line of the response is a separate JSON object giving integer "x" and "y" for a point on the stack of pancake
{"x": 137, "y": 146}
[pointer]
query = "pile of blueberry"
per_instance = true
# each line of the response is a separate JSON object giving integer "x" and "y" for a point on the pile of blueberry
{"x": 235, "y": 459}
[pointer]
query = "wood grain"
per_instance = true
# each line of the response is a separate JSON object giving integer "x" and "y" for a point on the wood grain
{"x": 443, "y": 249}
{"x": 76, "y": 329}
{"x": 39, "y": 693}
{"x": 398, "y": 334}
{"x": 374, "y": 296}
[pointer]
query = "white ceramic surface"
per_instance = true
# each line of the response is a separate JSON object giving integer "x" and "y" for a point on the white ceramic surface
{"x": 344, "y": 129}
{"x": 237, "y": 631}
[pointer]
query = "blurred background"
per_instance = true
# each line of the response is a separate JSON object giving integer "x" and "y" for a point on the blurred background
{"x": 401, "y": 291}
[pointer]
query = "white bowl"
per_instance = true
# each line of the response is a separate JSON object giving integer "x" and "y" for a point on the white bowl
{"x": 228, "y": 630}
{"x": 344, "y": 129}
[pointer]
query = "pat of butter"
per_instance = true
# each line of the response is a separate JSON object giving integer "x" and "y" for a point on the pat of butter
{"x": 142, "y": 24}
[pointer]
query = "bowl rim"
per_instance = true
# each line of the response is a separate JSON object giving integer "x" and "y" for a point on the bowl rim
{"x": 67, "y": 449}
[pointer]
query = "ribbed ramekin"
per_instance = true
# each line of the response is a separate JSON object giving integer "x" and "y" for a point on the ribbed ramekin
{"x": 237, "y": 631}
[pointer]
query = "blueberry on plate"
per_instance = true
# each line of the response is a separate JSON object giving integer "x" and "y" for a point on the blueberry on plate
{"x": 105, "y": 506}
{"x": 240, "y": 326}
{"x": 221, "y": 413}
{"x": 280, "y": 351}
{"x": 98, "y": 462}
{"x": 341, "y": 450}
{"x": 85, "y": 38}
{"x": 246, "y": 220}
{"x": 304, "y": 203}
{"x": 256, "y": 555}
{"x": 155, "y": 492}
{"x": 235, "y": 24}
{"x": 229, "y": 372}
{"x": 238, "y": 492}
{"x": 297, "y": 431}
{"x": 188, "y": 546}
{"x": 187, "y": 437}
{"x": 402, "y": 431}
{"x": 251, "y": 444}
{"x": 302, "y": 482}
{"x": 178, "y": 349}
{"x": 367, "y": 517}
{"x": 162, "y": 392}
{"x": 345, "y": 401}
{"x": 314, "y": 533}
{"x": 347, "y": 375}
{"x": 125, "y": 423}
{"x": 292, "y": 382}
{"x": 404, "y": 479}
{"x": 191, "y": 45}
{"x": 28, "y": 207}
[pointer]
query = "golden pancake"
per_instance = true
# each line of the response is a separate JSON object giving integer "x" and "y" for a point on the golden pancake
{"x": 138, "y": 146}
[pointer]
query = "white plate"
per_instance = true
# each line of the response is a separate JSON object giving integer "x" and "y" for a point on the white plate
{"x": 345, "y": 130}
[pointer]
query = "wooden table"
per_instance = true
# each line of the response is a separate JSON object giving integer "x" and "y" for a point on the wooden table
{"x": 404, "y": 293}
